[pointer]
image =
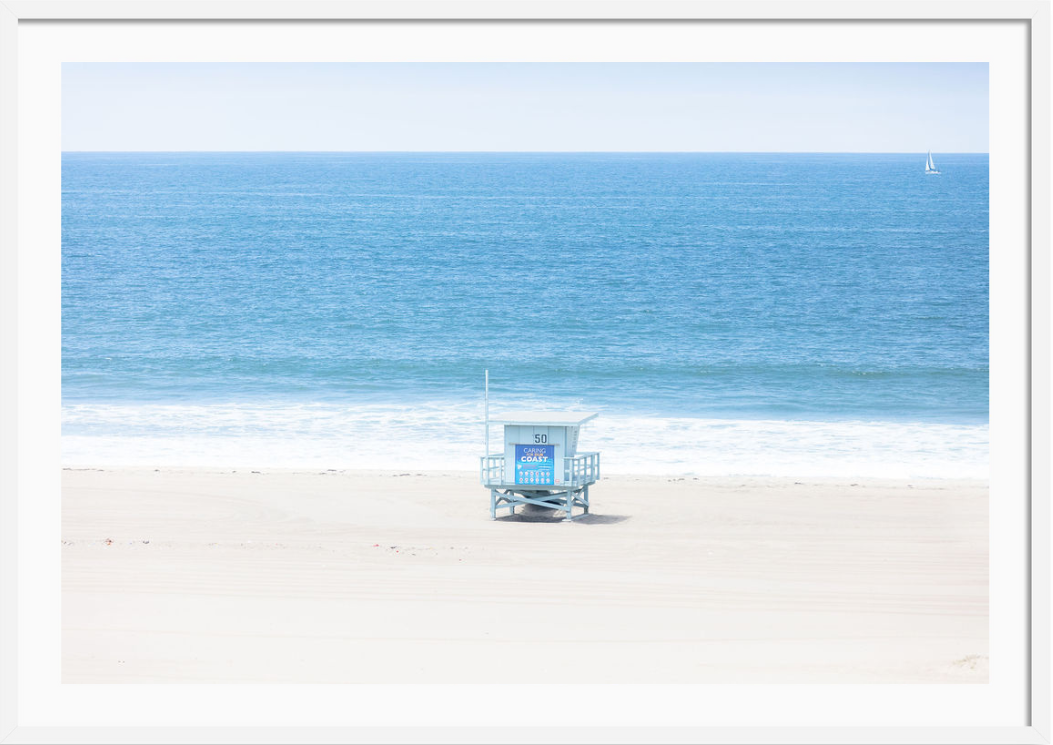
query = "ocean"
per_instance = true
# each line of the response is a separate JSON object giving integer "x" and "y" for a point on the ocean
{"x": 755, "y": 314}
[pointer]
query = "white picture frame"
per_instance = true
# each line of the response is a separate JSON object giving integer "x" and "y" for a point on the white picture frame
{"x": 15, "y": 365}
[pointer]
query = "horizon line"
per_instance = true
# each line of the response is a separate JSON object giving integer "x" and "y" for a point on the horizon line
{"x": 552, "y": 152}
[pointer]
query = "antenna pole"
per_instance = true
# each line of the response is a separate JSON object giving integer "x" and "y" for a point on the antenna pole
{"x": 486, "y": 409}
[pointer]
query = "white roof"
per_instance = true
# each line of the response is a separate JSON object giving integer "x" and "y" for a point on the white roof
{"x": 545, "y": 418}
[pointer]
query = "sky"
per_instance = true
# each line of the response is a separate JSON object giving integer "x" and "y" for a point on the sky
{"x": 548, "y": 107}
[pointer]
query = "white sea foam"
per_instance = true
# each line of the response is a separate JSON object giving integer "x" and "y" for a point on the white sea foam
{"x": 450, "y": 436}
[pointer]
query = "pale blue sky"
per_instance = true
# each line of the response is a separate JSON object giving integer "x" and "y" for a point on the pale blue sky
{"x": 751, "y": 107}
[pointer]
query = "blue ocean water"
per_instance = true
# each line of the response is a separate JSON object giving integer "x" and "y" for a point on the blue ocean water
{"x": 330, "y": 307}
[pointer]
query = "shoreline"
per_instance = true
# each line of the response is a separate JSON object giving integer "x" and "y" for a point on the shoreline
{"x": 473, "y": 473}
{"x": 439, "y": 435}
{"x": 317, "y": 575}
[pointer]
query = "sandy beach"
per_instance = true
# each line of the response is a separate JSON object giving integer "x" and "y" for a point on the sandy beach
{"x": 194, "y": 575}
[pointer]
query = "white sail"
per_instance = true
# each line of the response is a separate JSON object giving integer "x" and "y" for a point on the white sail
{"x": 928, "y": 164}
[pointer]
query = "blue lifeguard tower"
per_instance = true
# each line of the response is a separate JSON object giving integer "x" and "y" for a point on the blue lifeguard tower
{"x": 539, "y": 463}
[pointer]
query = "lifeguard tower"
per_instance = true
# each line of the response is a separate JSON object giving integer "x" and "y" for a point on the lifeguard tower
{"x": 539, "y": 463}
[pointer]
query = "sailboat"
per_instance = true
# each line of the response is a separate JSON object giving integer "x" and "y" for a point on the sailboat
{"x": 930, "y": 167}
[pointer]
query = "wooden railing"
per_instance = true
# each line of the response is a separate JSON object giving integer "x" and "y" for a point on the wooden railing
{"x": 578, "y": 470}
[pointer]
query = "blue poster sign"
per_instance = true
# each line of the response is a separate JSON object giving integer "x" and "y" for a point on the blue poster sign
{"x": 535, "y": 464}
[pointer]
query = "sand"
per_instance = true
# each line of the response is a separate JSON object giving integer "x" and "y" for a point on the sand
{"x": 195, "y": 575}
